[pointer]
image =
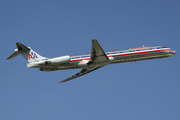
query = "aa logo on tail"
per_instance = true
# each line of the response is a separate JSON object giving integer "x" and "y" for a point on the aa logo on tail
{"x": 32, "y": 55}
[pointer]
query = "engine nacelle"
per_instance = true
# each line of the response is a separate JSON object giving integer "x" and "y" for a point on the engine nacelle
{"x": 84, "y": 63}
{"x": 58, "y": 60}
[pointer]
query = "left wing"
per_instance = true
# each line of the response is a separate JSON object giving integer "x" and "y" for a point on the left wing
{"x": 82, "y": 72}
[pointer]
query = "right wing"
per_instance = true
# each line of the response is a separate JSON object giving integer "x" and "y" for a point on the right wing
{"x": 82, "y": 72}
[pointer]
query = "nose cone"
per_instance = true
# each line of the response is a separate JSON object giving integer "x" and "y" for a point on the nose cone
{"x": 173, "y": 52}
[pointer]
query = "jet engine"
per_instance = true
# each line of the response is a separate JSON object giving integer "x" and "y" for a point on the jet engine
{"x": 58, "y": 60}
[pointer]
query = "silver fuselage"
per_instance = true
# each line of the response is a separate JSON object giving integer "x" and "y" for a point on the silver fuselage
{"x": 118, "y": 56}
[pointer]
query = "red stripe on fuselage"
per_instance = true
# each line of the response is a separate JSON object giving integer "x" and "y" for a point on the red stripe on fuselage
{"x": 124, "y": 54}
{"x": 79, "y": 59}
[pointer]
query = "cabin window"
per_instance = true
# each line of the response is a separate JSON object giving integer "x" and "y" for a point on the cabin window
{"x": 159, "y": 47}
{"x": 146, "y": 49}
{"x": 83, "y": 56}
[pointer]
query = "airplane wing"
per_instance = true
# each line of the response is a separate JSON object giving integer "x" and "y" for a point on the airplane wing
{"x": 82, "y": 72}
{"x": 97, "y": 53}
{"x": 97, "y": 56}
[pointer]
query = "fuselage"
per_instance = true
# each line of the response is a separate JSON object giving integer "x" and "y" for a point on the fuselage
{"x": 117, "y": 56}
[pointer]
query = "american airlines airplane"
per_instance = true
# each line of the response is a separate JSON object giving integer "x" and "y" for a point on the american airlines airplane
{"x": 90, "y": 62}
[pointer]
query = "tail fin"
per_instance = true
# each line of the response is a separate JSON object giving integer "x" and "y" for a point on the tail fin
{"x": 27, "y": 53}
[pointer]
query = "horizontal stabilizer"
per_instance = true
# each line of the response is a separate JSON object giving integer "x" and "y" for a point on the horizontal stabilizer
{"x": 16, "y": 53}
{"x": 20, "y": 46}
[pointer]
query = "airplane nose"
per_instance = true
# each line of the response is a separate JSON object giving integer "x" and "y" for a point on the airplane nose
{"x": 173, "y": 52}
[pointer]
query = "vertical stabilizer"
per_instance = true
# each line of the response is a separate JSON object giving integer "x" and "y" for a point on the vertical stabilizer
{"x": 27, "y": 53}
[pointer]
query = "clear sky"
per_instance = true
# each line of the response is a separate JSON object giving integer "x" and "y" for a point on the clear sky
{"x": 144, "y": 90}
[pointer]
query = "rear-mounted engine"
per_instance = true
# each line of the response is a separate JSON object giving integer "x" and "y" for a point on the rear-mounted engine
{"x": 58, "y": 60}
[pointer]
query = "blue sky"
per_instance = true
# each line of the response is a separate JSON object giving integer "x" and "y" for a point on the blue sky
{"x": 144, "y": 90}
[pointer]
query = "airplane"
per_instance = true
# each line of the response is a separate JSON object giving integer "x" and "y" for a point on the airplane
{"x": 90, "y": 62}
